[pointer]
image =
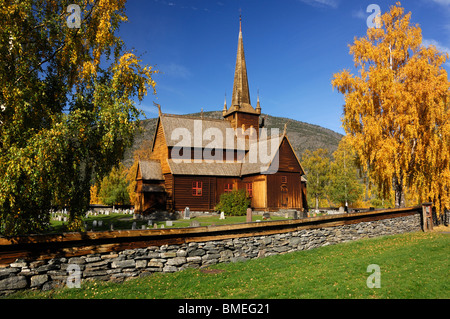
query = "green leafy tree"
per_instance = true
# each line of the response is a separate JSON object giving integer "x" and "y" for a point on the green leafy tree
{"x": 234, "y": 203}
{"x": 114, "y": 187}
{"x": 67, "y": 106}
{"x": 344, "y": 185}
{"x": 317, "y": 166}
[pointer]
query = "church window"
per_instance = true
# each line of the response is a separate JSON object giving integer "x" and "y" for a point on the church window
{"x": 197, "y": 188}
{"x": 228, "y": 188}
{"x": 249, "y": 188}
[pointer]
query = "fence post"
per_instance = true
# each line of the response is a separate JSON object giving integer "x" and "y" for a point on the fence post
{"x": 427, "y": 216}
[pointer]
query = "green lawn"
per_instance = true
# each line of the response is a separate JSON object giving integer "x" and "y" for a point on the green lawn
{"x": 414, "y": 265}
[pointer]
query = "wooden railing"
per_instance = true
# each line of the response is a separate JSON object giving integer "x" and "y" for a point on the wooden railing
{"x": 41, "y": 247}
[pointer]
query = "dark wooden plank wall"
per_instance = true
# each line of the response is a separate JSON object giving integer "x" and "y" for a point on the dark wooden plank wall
{"x": 182, "y": 193}
{"x": 160, "y": 150}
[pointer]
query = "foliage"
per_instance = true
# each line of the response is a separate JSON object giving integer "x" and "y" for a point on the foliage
{"x": 94, "y": 195}
{"x": 67, "y": 109}
{"x": 114, "y": 187}
{"x": 317, "y": 167}
{"x": 396, "y": 111}
{"x": 234, "y": 203}
{"x": 344, "y": 186}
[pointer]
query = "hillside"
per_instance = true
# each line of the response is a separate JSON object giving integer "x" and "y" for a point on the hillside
{"x": 302, "y": 135}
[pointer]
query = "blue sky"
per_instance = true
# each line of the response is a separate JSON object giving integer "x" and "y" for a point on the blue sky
{"x": 292, "y": 48}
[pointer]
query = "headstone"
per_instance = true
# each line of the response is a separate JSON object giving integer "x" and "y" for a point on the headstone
{"x": 100, "y": 223}
{"x": 162, "y": 225}
{"x": 341, "y": 210}
{"x": 150, "y": 222}
{"x": 187, "y": 213}
{"x": 111, "y": 226}
{"x": 155, "y": 226}
{"x": 194, "y": 223}
{"x": 222, "y": 215}
{"x": 169, "y": 223}
{"x": 249, "y": 215}
{"x": 94, "y": 223}
{"x": 143, "y": 227}
{"x": 133, "y": 226}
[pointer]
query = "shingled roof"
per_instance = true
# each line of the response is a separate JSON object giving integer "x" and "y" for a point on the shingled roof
{"x": 150, "y": 170}
{"x": 184, "y": 131}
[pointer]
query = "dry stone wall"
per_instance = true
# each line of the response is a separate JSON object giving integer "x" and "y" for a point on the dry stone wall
{"x": 131, "y": 263}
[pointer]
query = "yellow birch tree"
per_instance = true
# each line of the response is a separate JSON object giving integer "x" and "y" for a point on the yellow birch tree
{"x": 396, "y": 111}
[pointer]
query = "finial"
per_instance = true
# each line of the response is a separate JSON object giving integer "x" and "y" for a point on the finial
{"x": 285, "y": 127}
{"x": 159, "y": 108}
{"x": 240, "y": 19}
{"x": 258, "y": 106}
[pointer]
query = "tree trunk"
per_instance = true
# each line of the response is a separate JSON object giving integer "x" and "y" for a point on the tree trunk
{"x": 399, "y": 193}
{"x": 317, "y": 203}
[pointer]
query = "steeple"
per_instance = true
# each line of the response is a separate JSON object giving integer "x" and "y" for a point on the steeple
{"x": 241, "y": 94}
{"x": 241, "y": 112}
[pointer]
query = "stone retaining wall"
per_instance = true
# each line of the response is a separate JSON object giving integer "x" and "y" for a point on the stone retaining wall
{"x": 119, "y": 266}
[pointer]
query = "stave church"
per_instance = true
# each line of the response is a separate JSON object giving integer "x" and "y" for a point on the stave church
{"x": 187, "y": 168}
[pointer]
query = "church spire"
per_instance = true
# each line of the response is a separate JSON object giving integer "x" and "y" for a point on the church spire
{"x": 225, "y": 109}
{"x": 241, "y": 94}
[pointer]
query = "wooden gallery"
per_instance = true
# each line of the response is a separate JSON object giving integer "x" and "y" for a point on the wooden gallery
{"x": 194, "y": 160}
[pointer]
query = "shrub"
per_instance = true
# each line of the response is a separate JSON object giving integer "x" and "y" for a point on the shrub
{"x": 234, "y": 203}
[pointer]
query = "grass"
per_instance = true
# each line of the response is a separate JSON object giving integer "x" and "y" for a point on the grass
{"x": 413, "y": 265}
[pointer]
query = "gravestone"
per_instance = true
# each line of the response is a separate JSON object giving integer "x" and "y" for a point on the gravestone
{"x": 150, "y": 222}
{"x": 133, "y": 226}
{"x": 94, "y": 223}
{"x": 155, "y": 226}
{"x": 222, "y": 215}
{"x": 341, "y": 210}
{"x": 100, "y": 223}
{"x": 143, "y": 227}
{"x": 187, "y": 213}
{"x": 111, "y": 226}
{"x": 169, "y": 223}
{"x": 194, "y": 223}
{"x": 249, "y": 215}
